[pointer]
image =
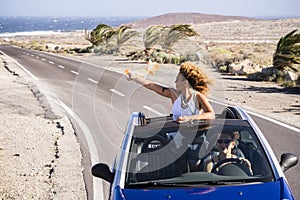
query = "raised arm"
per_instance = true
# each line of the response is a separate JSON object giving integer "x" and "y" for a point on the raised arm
{"x": 159, "y": 89}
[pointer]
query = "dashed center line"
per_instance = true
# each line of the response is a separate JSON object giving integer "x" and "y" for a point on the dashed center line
{"x": 153, "y": 111}
{"x": 92, "y": 80}
{"x": 43, "y": 59}
{"x": 51, "y": 62}
{"x": 117, "y": 92}
{"x": 60, "y": 66}
{"x": 74, "y": 72}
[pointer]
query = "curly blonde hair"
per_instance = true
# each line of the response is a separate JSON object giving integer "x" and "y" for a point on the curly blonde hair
{"x": 196, "y": 78}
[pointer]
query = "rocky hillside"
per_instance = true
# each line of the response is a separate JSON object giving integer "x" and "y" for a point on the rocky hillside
{"x": 187, "y": 18}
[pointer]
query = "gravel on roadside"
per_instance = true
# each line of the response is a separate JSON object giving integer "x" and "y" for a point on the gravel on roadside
{"x": 40, "y": 157}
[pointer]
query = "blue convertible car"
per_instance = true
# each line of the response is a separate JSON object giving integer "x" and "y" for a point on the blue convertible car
{"x": 163, "y": 159}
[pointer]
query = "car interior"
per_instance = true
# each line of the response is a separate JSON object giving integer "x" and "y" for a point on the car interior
{"x": 168, "y": 151}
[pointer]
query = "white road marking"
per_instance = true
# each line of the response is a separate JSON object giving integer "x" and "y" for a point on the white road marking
{"x": 97, "y": 182}
{"x": 261, "y": 116}
{"x": 37, "y": 57}
{"x": 117, "y": 92}
{"x": 23, "y": 68}
{"x": 266, "y": 118}
{"x": 154, "y": 111}
{"x": 60, "y": 66}
{"x": 51, "y": 62}
{"x": 92, "y": 80}
{"x": 274, "y": 121}
{"x": 74, "y": 72}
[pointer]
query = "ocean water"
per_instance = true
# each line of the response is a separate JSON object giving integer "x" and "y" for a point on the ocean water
{"x": 18, "y": 26}
{"x": 14, "y": 26}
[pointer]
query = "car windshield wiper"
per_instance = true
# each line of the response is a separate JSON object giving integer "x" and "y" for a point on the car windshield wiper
{"x": 158, "y": 184}
{"x": 223, "y": 182}
{"x": 183, "y": 184}
{"x": 192, "y": 183}
{"x": 231, "y": 181}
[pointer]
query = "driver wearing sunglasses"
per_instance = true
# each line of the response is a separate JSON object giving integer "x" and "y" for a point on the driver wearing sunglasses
{"x": 225, "y": 144}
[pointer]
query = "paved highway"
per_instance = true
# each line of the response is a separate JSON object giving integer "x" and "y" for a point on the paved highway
{"x": 99, "y": 102}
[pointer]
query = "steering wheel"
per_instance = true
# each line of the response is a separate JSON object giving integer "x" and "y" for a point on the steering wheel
{"x": 232, "y": 167}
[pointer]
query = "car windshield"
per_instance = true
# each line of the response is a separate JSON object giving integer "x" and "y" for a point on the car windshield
{"x": 181, "y": 154}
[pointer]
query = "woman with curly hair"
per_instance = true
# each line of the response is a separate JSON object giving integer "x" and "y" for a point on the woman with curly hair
{"x": 189, "y": 97}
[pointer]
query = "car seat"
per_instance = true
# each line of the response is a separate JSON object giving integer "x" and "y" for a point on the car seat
{"x": 161, "y": 162}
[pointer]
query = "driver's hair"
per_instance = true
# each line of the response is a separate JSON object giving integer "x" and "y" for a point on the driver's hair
{"x": 230, "y": 133}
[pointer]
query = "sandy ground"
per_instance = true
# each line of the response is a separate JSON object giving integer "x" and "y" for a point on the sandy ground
{"x": 40, "y": 158}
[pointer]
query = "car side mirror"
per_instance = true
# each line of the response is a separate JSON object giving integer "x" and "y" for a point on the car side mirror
{"x": 287, "y": 161}
{"x": 102, "y": 170}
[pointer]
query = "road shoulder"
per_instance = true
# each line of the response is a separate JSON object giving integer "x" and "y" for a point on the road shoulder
{"x": 40, "y": 158}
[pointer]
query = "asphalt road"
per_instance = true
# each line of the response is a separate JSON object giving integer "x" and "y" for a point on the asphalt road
{"x": 100, "y": 101}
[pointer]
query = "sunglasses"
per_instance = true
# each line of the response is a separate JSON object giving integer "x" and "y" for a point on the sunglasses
{"x": 225, "y": 141}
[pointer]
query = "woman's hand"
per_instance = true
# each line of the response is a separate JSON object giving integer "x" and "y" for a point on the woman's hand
{"x": 181, "y": 119}
{"x": 185, "y": 118}
{"x": 129, "y": 76}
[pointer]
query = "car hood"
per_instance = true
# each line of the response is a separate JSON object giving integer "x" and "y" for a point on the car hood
{"x": 270, "y": 190}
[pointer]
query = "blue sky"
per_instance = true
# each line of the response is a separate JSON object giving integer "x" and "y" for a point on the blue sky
{"x": 148, "y": 8}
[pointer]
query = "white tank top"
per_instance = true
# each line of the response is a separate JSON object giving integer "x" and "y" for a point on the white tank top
{"x": 191, "y": 108}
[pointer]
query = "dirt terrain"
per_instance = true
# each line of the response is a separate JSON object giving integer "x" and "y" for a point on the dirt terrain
{"x": 39, "y": 157}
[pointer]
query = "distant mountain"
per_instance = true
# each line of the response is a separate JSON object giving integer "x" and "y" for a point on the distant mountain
{"x": 186, "y": 18}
